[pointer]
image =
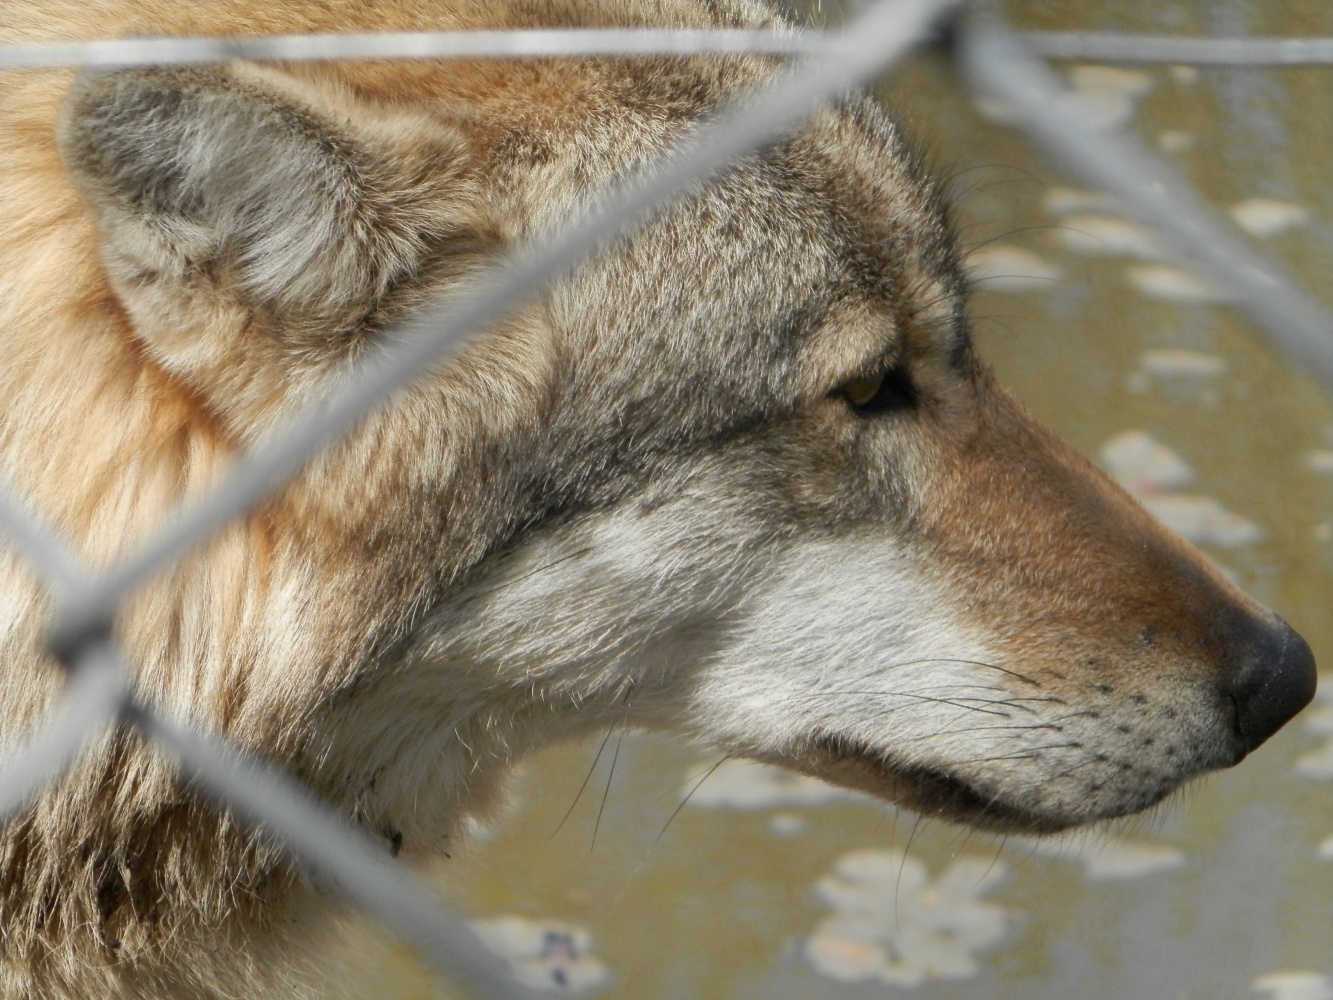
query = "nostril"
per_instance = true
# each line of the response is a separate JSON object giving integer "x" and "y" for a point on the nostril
{"x": 1276, "y": 681}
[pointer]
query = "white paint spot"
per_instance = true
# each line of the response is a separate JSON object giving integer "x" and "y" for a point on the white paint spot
{"x": 1295, "y": 986}
{"x": 1153, "y": 472}
{"x": 996, "y": 110}
{"x": 1131, "y": 82}
{"x": 1143, "y": 464}
{"x": 744, "y": 784}
{"x": 787, "y": 824}
{"x": 1063, "y": 200}
{"x": 1173, "y": 140}
{"x": 1108, "y": 236}
{"x": 893, "y": 924}
{"x": 1011, "y": 269}
{"x": 1177, "y": 362}
{"x": 1320, "y": 461}
{"x": 1107, "y": 860}
{"x": 545, "y": 955}
{"x": 1173, "y": 284}
{"x": 1264, "y": 217}
{"x": 1185, "y": 75}
{"x": 1107, "y": 95}
{"x": 1202, "y": 520}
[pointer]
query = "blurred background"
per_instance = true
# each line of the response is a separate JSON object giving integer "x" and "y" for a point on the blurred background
{"x": 767, "y": 886}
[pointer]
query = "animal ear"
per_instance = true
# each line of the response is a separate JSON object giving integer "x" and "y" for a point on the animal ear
{"x": 295, "y": 201}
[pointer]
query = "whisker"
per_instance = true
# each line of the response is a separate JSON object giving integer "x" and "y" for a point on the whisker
{"x": 1008, "y": 233}
{"x": 980, "y": 729}
{"x": 586, "y": 778}
{"x": 953, "y": 702}
{"x": 1086, "y": 763}
{"x": 688, "y": 795}
{"x": 1029, "y": 753}
{"x": 606, "y": 792}
{"x": 967, "y": 663}
{"x": 995, "y": 860}
{"x": 1049, "y": 699}
{"x": 629, "y": 686}
{"x": 898, "y": 884}
{"x": 656, "y": 840}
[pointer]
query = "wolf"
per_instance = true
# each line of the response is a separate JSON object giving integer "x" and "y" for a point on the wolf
{"x": 741, "y": 478}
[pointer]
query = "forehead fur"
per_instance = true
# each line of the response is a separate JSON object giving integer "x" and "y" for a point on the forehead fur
{"x": 820, "y": 259}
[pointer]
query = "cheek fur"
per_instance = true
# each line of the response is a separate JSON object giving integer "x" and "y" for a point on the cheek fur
{"x": 844, "y": 637}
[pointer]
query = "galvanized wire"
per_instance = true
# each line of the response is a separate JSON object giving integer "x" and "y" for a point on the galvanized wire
{"x": 99, "y": 693}
{"x": 530, "y": 43}
{"x": 336, "y": 854}
{"x": 1100, "y": 46}
{"x": 1106, "y": 46}
{"x": 998, "y": 64}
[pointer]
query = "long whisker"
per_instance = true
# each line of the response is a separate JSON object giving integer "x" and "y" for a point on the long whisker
{"x": 644, "y": 860}
{"x": 898, "y": 884}
{"x": 586, "y": 778}
{"x": 1004, "y": 842}
{"x": 629, "y": 689}
{"x": 688, "y": 795}
{"x": 610, "y": 774}
{"x": 967, "y": 663}
{"x": 969, "y": 730}
{"x": 1029, "y": 753}
{"x": 953, "y": 702}
{"x": 1066, "y": 773}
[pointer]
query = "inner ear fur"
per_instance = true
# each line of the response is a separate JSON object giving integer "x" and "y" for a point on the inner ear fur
{"x": 306, "y": 215}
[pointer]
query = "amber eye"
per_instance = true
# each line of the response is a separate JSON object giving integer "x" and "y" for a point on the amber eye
{"x": 883, "y": 393}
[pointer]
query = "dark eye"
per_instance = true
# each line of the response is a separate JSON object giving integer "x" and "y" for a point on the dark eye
{"x": 884, "y": 393}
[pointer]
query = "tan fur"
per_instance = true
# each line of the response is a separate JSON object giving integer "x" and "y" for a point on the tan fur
{"x": 643, "y": 497}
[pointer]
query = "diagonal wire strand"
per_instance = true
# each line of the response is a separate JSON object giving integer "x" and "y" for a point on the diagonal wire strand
{"x": 97, "y": 685}
{"x": 337, "y": 854}
{"x": 997, "y": 63}
{"x": 93, "y": 699}
{"x": 58, "y": 568}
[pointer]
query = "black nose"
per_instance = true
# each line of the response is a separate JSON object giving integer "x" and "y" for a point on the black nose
{"x": 1275, "y": 682}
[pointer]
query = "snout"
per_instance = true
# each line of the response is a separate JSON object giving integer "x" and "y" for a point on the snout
{"x": 1276, "y": 680}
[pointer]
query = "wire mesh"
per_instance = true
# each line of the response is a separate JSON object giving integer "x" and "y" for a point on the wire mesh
{"x": 997, "y": 62}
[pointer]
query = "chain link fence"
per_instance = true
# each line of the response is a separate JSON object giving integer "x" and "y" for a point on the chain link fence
{"x": 995, "y": 61}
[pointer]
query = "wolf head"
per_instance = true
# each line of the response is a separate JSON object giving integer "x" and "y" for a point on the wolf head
{"x": 741, "y": 478}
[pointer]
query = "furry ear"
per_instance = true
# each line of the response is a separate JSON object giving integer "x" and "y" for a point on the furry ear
{"x": 265, "y": 200}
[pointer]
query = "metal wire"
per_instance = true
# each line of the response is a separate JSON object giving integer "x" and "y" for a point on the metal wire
{"x": 1110, "y": 47}
{"x": 56, "y": 565}
{"x": 98, "y": 693}
{"x": 563, "y": 42}
{"x": 337, "y": 854}
{"x": 997, "y": 63}
{"x": 548, "y": 42}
